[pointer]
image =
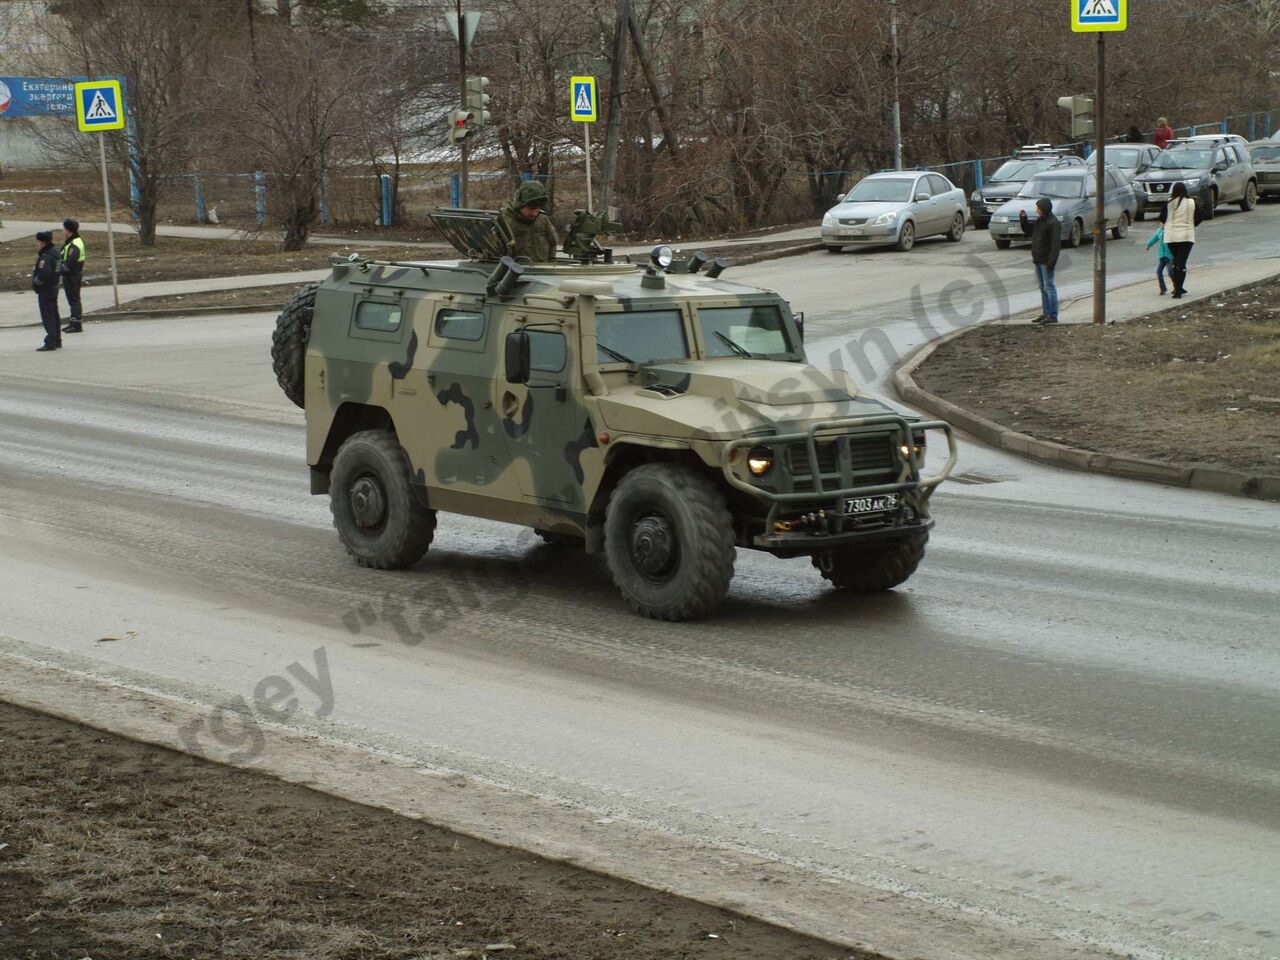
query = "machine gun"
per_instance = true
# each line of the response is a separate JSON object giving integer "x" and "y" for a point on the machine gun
{"x": 581, "y": 243}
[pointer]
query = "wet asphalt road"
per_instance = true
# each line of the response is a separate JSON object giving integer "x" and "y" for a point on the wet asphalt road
{"x": 1068, "y": 721}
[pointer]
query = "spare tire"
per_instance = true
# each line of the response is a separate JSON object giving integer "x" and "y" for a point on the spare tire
{"x": 289, "y": 342}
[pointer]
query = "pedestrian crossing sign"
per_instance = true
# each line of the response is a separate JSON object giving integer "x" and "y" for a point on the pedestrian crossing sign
{"x": 99, "y": 106}
{"x": 1099, "y": 16}
{"x": 582, "y": 99}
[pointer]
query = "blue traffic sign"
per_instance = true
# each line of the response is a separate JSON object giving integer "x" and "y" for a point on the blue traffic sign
{"x": 1098, "y": 16}
{"x": 99, "y": 105}
{"x": 582, "y": 99}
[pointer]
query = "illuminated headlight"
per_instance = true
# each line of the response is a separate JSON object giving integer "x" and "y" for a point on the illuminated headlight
{"x": 976, "y": 197}
{"x": 661, "y": 257}
{"x": 885, "y": 218}
{"x": 760, "y": 461}
{"x": 829, "y": 220}
{"x": 918, "y": 447}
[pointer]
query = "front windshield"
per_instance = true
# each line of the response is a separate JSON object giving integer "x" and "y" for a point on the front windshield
{"x": 1266, "y": 152}
{"x": 1020, "y": 170}
{"x": 756, "y": 331}
{"x": 1122, "y": 158}
{"x": 1181, "y": 160}
{"x": 1058, "y": 188}
{"x": 888, "y": 190}
{"x": 640, "y": 336}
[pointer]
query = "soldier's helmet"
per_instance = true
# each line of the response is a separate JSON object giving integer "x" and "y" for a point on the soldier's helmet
{"x": 531, "y": 193}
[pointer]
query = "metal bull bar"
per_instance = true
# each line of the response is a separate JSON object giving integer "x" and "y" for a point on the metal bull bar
{"x": 908, "y": 477}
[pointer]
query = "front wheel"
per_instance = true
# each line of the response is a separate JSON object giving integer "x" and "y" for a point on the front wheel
{"x": 1003, "y": 244}
{"x": 906, "y": 237}
{"x": 956, "y": 233}
{"x": 1076, "y": 235}
{"x": 832, "y": 248}
{"x": 1121, "y": 229}
{"x": 1211, "y": 205}
{"x": 669, "y": 542}
{"x": 1141, "y": 215}
{"x": 872, "y": 568}
{"x": 1250, "y": 198}
{"x": 379, "y": 517}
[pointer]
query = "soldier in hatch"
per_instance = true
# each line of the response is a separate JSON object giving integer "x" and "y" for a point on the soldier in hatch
{"x": 525, "y": 217}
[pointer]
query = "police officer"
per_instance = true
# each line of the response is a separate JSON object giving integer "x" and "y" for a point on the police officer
{"x": 72, "y": 271}
{"x": 44, "y": 281}
{"x": 534, "y": 236}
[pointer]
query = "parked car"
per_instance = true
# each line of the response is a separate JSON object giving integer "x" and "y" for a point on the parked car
{"x": 1130, "y": 160}
{"x": 1216, "y": 170}
{"x": 1003, "y": 185}
{"x": 1265, "y": 155}
{"x": 1073, "y": 192}
{"x": 896, "y": 209}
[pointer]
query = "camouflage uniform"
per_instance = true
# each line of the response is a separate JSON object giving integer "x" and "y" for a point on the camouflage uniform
{"x": 533, "y": 239}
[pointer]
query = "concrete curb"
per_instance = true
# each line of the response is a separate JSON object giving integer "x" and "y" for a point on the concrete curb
{"x": 1059, "y": 455}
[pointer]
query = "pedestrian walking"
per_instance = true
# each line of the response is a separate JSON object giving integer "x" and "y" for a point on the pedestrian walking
{"x": 72, "y": 270}
{"x": 44, "y": 281}
{"x": 1180, "y": 217}
{"x": 1165, "y": 262}
{"x": 1162, "y": 134}
{"x": 1046, "y": 245}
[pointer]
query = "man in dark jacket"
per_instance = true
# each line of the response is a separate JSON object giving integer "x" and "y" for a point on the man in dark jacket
{"x": 1046, "y": 244}
{"x": 525, "y": 219}
{"x": 72, "y": 271}
{"x": 44, "y": 281}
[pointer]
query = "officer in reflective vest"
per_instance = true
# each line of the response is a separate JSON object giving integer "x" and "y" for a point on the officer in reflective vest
{"x": 72, "y": 269}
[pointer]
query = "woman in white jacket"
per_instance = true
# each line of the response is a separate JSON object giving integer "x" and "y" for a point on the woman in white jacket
{"x": 1179, "y": 217}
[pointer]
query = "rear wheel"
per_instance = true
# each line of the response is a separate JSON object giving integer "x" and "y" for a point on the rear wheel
{"x": 956, "y": 233}
{"x": 1121, "y": 229}
{"x": 906, "y": 237}
{"x": 376, "y": 511}
{"x": 1250, "y": 198}
{"x": 669, "y": 542}
{"x": 874, "y": 567}
{"x": 1074, "y": 238}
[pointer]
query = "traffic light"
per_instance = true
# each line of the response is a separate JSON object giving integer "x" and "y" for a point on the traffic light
{"x": 477, "y": 100}
{"x": 1081, "y": 116}
{"x": 460, "y": 125}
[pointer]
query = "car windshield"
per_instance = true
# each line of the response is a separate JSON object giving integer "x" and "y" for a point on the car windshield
{"x": 887, "y": 190}
{"x": 1266, "y": 152}
{"x": 1059, "y": 188}
{"x": 747, "y": 331}
{"x": 640, "y": 336}
{"x": 1125, "y": 159}
{"x": 1020, "y": 170}
{"x": 1182, "y": 160}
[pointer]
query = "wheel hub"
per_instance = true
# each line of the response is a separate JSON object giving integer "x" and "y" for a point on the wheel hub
{"x": 368, "y": 503}
{"x": 653, "y": 546}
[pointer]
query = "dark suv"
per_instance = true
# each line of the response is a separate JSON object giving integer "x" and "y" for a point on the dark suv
{"x": 1216, "y": 170}
{"x": 1005, "y": 183}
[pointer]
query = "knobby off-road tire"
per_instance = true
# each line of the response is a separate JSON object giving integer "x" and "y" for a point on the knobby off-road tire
{"x": 289, "y": 342}
{"x": 379, "y": 517}
{"x": 566, "y": 540}
{"x": 875, "y": 567}
{"x": 669, "y": 542}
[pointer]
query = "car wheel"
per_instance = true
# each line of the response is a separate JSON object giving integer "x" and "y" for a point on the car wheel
{"x": 379, "y": 517}
{"x": 669, "y": 541}
{"x": 1121, "y": 229}
{"x": 956, "y": 233}
{"x": 1211, "y": 205}
{"x": 1141, "y": 213}
{"x": 1250, "y": 199}
{"x": 1003, "y": 244}
{"x": 1074, "y": 238}
{"x": 906, "y": 237}
{"x": 830, "y": 248}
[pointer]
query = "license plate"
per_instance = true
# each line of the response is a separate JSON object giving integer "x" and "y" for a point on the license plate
{"x": 857, "y": 506}
{"x": 855, "y": 232}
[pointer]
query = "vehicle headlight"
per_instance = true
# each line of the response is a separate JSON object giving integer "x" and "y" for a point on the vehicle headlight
{"x": 976, "y": 197}
{"x": 829, "y": 220}
{"x": 918, "y": 442}
{"x": 1193, "y": 183}
{"x": 885, "y": 218}
{"x": 760, "y": 461}
{"x": 1000, "y": 219}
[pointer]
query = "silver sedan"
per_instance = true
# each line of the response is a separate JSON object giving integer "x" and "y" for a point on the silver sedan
{"x": 896, "y": 209}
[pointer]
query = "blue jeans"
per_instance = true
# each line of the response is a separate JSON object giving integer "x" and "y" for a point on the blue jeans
{"x": 1164, "y": 267}
{"x": 1048, "y": 292}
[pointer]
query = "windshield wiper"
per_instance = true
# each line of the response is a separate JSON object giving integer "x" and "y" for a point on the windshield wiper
{"x": 620, "y": 357}
{"x": 733, "y": 345}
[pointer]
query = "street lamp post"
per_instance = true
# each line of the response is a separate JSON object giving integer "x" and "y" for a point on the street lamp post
{"x": 897, "y": 102}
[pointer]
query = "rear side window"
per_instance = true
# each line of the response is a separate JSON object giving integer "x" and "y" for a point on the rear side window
{"x": 383, "y": 317}
{"x": 547, "y": 351}
{"x": 939, "y": 185}
{"x": 460, "y": 324}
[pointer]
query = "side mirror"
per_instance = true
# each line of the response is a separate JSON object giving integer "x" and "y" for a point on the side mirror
{"x": 518, "y": 361}
{"x": 1219, "y": 167}
{"x": 921, "y": 197}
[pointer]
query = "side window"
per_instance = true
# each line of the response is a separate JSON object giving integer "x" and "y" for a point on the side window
{"x": 939, "y": 185}
{"x": 547, "y": 351}
{"x": 1113, "y": 182}
{"x": 382, "y": 317}
{"x": 460, "y": 324}
{"x": 1225, "y": 157}
{"x": 1240, "y": 153}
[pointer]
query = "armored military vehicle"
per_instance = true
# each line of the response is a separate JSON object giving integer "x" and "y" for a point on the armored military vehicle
{"x": 654, "y": 412}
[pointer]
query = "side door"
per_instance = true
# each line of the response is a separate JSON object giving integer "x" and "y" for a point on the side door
{"x": 1088, "y": 215}
{"x": 1115, "y": 196}
{"x": 947, "y": 206}
{"x": 545, "y": 424}
{"x": 1226, "y": 174}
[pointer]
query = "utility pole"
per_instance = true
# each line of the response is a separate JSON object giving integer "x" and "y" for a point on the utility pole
{"x": 1100, "y": 204}
{"x": 897, "y": 101}
{"x": 462, "y": 96}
